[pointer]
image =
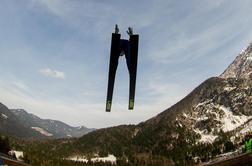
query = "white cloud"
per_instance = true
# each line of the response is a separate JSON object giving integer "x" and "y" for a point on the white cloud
{"x": 52, "y": 73}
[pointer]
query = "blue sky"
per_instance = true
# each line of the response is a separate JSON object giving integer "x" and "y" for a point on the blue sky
{"x": 54, "y": 54}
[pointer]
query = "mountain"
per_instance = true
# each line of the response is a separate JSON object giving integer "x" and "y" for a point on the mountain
{"x": 48, "y": 127}
{"x": 10, "y": 125}
{"x": 19, "y": 123}
{"x": 241, "y": 67}
{"x": 207, "y": 122}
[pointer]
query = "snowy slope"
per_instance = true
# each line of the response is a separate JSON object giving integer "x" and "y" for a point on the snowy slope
{"x": 42, "y": 131}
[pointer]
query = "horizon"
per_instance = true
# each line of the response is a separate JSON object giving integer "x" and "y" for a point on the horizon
{"x": 55, "y": 55}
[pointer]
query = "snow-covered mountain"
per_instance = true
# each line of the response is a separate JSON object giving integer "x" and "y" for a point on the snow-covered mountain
{"x": 10, "y": 125}
{"x": 48, "y": 127}
{"x": 19, "y": 123}
{"x": 223, "y": 105}
{"x": 241, "y": 67}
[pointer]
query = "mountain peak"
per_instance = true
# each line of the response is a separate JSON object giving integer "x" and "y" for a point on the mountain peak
{"x": 241, "y": 67}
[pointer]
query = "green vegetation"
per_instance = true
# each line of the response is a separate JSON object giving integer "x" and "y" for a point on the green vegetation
{"x": 4, "y": 144}
{"x": 146, "y": 148}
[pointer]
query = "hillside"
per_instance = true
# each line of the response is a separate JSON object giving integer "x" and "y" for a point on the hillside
{"x": 51, "y": 128}
{"x": 10, "y": 125}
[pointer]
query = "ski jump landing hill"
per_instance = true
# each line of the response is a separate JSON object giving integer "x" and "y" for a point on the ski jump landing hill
{"x": 240, "y": 160}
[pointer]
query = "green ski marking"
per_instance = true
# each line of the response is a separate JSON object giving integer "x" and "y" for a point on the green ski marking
{"x": 131, "y": 104}
{"x": 108, "y": 106}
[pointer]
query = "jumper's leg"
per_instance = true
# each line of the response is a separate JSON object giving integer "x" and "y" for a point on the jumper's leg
{"x": 114, "y": 55}
{"x": 133, "y": 68}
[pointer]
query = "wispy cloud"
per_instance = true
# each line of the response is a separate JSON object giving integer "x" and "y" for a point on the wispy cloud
{"x": 191, "y": 36}
{"x": 52, "y": 73}
{"x": 21, "y": 86}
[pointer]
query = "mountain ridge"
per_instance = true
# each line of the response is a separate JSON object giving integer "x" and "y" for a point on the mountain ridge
{"x": 57, "y": 128}
{"x": 21, "y": 124}
{"x": 241, "y": 67}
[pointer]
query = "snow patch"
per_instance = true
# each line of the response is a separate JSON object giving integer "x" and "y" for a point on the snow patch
{"x": 249, "y": 73}
{"x": 243, "y": 51}
{"x": 4, "y": 116}
{"x": 228, "y": 88}
{"x": 232, "y": 139}
{"x": 202, "y": 118}
{"x": 247, "y": 128}
{"x": 185, "y": 115}
{"x": 19, "y": 154}
{"x": 203, "y": 103}
{"x": 135, "y": 132}
{"x": 110, "y": 158}
{"x": 77, "y": 158}
{"x": 206, "y": 138}
{"x": 42, "y": 131}
{"x": 230, "y": 121}
{"x": 249, "y": 58}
